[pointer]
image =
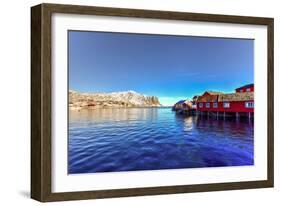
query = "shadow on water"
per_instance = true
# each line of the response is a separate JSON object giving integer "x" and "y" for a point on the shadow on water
{"x": 242, "y": 124}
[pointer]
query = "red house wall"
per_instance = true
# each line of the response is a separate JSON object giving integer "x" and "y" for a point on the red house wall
{"x": 237, "y": 106}
{"x": 204, "y": 108}
{"x": 245, "y": 89}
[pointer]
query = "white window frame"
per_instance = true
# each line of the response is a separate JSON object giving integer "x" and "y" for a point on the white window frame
{"x": 207, "y": 104}
{"x": 226, "y": 105}
{"x": 248, "y": 89}
{"x": 200, "y": 105}
{"x": 215, "y": 105}
{"x": 249, "y": 104}
{"x": 241, "y": 90}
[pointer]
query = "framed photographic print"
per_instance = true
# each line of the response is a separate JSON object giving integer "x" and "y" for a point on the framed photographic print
{"x": 130, "y": 102}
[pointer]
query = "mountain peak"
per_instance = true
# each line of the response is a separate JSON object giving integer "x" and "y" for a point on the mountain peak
{"x": 128, "y": 98}
{"x": 126, "y": 92}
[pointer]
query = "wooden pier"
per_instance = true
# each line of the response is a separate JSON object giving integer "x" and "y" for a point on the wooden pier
{"x": 237, "y": 115}
{"x": 186, "y": 111}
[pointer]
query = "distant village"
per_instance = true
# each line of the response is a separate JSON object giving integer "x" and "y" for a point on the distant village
{"x": 214, "y": 103}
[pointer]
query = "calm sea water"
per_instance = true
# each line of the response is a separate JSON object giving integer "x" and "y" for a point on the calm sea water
{"x": 107, "y": 140}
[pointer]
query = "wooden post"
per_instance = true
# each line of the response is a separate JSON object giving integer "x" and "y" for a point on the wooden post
{"x": 249, "y": 114}
{"x": 237, "y": 115}
{"x": 223, "y": 115}
{"x": 217, "y": 115}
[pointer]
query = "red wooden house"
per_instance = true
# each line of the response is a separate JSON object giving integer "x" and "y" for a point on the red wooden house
{"x": 239, "y": 102}
{"x": 183, "y": 104}
{"x": 245, "y": 88}
{"x": 208, "y": 101}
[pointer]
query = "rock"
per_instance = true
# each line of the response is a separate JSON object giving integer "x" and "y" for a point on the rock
{"x": 78, "y": 100}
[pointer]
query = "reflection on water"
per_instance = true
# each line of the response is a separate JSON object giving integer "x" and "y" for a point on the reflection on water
{"x": 105, "y": 140}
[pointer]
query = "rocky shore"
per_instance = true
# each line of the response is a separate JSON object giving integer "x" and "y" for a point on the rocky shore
{"x": 126, "y": 99}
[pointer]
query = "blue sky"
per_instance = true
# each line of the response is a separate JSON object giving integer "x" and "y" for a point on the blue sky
{"x": 169, "y": 67}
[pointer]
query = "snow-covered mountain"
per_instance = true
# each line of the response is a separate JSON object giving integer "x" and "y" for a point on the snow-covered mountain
{"x": 107, "y": 100}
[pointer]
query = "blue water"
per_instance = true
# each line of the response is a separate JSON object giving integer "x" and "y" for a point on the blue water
{"x": 107, "y": 140}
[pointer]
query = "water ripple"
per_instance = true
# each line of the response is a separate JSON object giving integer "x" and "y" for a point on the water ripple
{"x": 107, "y": 140}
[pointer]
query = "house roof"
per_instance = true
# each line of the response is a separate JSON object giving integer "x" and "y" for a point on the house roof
{"x": 245, "y": 96}
{"x": 181, "y": 102}
{"x": 209, "y": 98}
{"x": 245, "y": 86}
{"x": 213, "y": 92}
{"x": 188, "y": 103}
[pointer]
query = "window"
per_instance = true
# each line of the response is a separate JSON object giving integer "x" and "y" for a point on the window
{"x": 215, "y": 105}
{"x": 248, "y": 89}
{"x": 249, "y": 104}
{"x": 226, "y": 104}
{"x": 200, "y": 105}
{"x": 241, "y": 90}
{"x": 208, "y": 105}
